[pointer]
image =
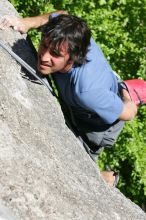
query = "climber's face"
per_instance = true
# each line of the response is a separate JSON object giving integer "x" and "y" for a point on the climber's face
{"x": 52, "y": 60}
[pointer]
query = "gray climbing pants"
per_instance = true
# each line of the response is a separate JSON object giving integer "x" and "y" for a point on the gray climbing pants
{"x": 95, "y": 142}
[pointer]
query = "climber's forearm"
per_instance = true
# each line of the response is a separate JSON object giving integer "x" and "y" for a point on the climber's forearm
{"x": 23, "y": 25}
{"x": 38, "y": 21}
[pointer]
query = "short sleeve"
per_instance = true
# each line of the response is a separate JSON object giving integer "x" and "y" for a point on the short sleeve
{"x": 106, "y": 104}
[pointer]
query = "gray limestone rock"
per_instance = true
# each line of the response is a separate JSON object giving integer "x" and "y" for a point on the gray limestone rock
{"x": 45, "y": 174}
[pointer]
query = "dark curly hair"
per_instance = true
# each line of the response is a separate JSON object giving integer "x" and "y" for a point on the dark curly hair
{"x": 70, "y": 29}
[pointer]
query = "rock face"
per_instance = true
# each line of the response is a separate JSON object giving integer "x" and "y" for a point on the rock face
{"x": 44, "y": 171}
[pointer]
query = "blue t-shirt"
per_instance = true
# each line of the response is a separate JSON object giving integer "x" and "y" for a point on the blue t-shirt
{"x": 92, "y": 87}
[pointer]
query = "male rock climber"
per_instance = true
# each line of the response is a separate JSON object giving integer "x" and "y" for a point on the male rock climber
{"x": 86, "y": 83}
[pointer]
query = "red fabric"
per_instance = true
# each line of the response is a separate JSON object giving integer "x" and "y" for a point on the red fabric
{"x": 137, "y": 90}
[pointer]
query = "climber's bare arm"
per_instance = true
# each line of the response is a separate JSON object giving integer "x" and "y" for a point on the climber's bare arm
{"x": 129, "y": 108}
{"x": 23, "y": 25}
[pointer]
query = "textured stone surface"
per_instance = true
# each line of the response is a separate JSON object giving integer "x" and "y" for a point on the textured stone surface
{"x": 45, "y": 174}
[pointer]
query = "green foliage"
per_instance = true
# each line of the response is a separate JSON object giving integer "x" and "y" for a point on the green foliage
{"x": 119, "y": 27}
{"x": 32, "y": 7}
{"x": 128, "y": 156}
